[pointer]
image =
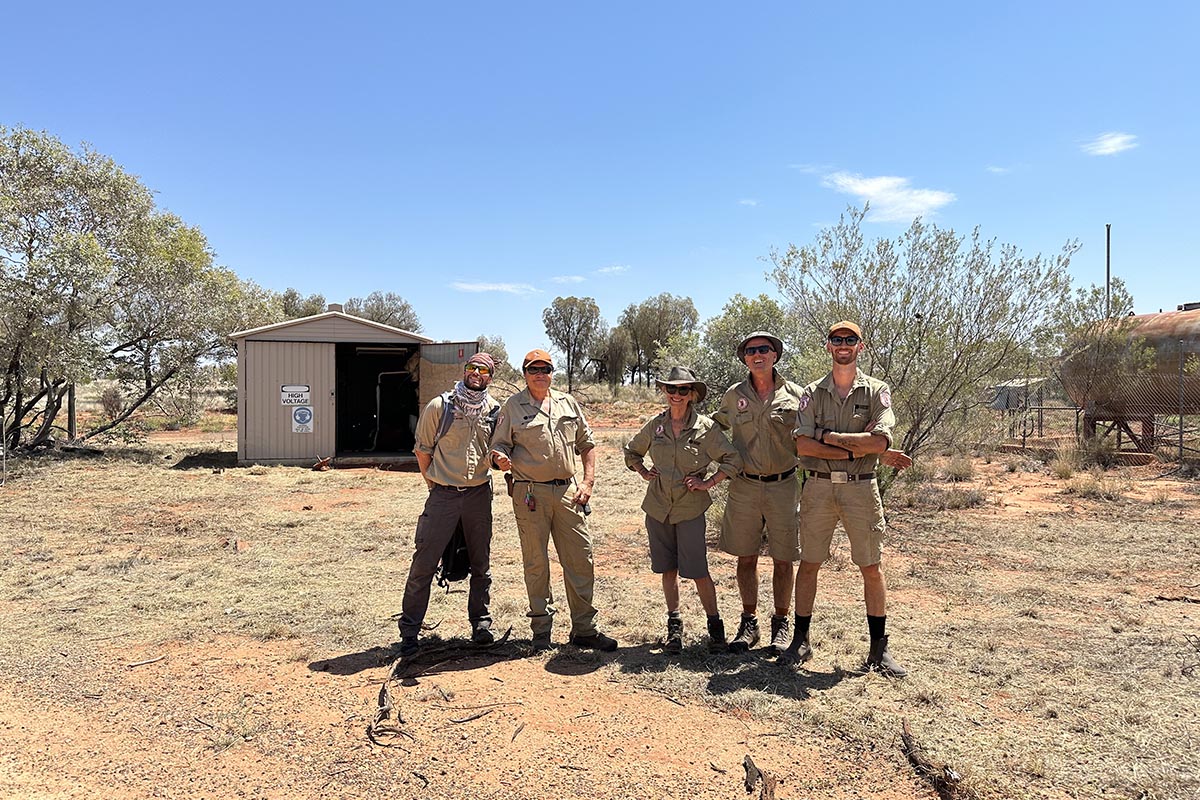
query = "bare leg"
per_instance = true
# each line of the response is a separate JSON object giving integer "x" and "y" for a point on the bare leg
{"x": 708, "y": 595}
{"x": 747, "y": 581}
{"x": 806, "y": 587}
{"x": 670, "y": 583}
{"x": 781, "y": 585}
{"x": 874, "y": 590}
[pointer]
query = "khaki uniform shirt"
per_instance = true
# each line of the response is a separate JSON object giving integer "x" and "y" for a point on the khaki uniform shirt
{"x": 700, "y": 443}
{"x": 762, "y": 431}
{"x": 542, "y": 448}
{"x": 867, "y": 409}
{"x": 462, "y": 456}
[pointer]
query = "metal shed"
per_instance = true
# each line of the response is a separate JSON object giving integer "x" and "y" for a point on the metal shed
{"x": 337, "y": 386}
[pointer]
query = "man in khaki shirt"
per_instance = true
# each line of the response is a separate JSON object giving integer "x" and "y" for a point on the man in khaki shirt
{"x": 454, "y": 462}
{"x": 845, "y": 425}
{"x": 540, "y": 436}
{"x": 759, "y": 414}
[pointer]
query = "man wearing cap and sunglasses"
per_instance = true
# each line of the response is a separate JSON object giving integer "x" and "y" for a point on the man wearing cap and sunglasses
{"x": 540, "y": 434}
{"x": 452, "y": 453}
{"x": 760, "y": 414}
{"x": 845, "y": 425}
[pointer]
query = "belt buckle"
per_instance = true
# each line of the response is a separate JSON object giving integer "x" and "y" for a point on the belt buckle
{"x": 839, "y": 477}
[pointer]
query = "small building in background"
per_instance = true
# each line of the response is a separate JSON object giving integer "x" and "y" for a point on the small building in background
{"x": 337, "y": 386}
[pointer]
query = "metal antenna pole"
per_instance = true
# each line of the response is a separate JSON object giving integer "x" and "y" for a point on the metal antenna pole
{"x": 1107, "y": 269}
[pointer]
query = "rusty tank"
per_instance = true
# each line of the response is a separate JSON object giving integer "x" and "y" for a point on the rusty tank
{"x": 1159, "y": 389}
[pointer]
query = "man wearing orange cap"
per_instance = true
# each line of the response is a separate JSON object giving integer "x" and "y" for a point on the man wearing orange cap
{"x": 540, "y": 434}
{"x": 453, "y": 432}
{"x": 844, "y": 424}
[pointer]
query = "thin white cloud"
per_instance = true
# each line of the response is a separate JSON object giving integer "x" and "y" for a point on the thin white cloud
{"x": 568, "y": 279}
{"x": 892, "y": 199}
{"x": 1110, "y": 143}
{"x": 506, "y": 288}
{"x": 746, "y": 201}
{"x": 615, "y": 269}
{"x": 999, "y": 170}
{"x": 811, "y": 169}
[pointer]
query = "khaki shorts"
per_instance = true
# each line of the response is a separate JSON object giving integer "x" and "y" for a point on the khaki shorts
{"x": 860, "y": 510}
{"x": 753, "y": 505}
{"x": 678, "y": 546}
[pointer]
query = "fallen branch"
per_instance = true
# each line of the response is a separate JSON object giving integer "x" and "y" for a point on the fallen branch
{"x": 520, "y": 728}
{"x": 754, "y": 775}
{"x": 944, "y": 780}
{"x": 1177, "y": 598}
{"x": 485, "y": 705}
{"x": 472, "y": 717}
{"x": 718, "y": 769}
{"x": 144, "y": 663}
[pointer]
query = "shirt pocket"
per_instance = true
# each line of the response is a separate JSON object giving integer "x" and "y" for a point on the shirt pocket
{"x": 568, "y": 429}
{"x": 690, "y": 457}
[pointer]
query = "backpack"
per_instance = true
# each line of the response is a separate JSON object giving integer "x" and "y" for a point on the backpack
{"x": 456, "y": 561}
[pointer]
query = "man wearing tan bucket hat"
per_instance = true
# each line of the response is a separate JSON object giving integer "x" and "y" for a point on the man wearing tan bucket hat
{"x": 759, "y": 414}
{"x": 541, "y": 435}
{"x": 845, "y": 426}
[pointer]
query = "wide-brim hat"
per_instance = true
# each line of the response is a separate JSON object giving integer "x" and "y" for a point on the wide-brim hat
{"x": 682, "y": 376}
{"x": 775, "y": 341}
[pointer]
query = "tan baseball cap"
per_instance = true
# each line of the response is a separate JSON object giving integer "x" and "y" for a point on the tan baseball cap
{"x": 846, "y": 325}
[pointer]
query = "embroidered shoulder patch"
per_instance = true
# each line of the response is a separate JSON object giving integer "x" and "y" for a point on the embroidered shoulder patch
{"x": 885, "y": 398}
{"x": 742, "y": 404}
{"x": 499, "y": 420}
{"x": 658, "y": 431}
{"x": 804, "y": 400}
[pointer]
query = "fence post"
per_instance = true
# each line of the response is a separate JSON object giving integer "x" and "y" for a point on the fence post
{"x": 1181, "y": 402}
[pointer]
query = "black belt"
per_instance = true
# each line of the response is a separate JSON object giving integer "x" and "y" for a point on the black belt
{"x": 770, "y": 478}
{"x": 458, "y": 488}
{"x": 555, "y": 482}
{"x": 866, "y": 476}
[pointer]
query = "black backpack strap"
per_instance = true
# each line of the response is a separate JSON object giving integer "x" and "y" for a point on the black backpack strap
{"x": 447, "y": 417}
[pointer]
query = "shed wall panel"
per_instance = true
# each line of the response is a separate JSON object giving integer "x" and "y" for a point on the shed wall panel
{"x": 333, "y": 330}
{"x": 268, "y": 431}
{"x": 442, "y": 367}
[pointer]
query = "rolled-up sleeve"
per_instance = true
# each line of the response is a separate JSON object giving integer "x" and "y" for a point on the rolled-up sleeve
{"x": 882, "y": 414}
{"x": 719, "y": 449}
{"x": 806, "y": 421}
{"x": 583, "y": 433}
{"x": 502, "y": 441}
{"x": 636, "y": 448}
{"x": 427, "y": 425}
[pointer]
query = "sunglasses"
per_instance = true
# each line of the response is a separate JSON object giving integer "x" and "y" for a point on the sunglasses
{"x": 482, "y": 370}
{"x": 539, "y": 370}
{"x": 670, "y": 389}
{"x": 839, "y": 340}
{"x": 762, "y": 348}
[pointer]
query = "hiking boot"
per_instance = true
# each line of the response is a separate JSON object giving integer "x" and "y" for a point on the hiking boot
{"x": 597, "y": 641}
{"x": 541, "y": 643}
{"x": 409, "y": 645}
{"x": 797, "y": 652}
{"x": 747, "y": 635}
{"x": 880, "y": 660}
{"x": 674, "y": 641}
{"x": 716, "y": 636}
{"x": 781, "y": 626}
{"x": 482, "y": 633}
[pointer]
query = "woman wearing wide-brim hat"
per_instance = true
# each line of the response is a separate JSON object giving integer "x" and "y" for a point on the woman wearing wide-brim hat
{"x": 682, "y": 444}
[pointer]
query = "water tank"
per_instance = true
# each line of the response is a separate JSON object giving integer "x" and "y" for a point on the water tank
{"x": 1154, "y": 390}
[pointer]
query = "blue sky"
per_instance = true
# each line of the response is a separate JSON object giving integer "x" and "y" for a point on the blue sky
{"x": 482, "y": 158}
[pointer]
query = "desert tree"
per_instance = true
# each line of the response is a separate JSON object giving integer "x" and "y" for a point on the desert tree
{"x": 386, "y": 308}
{"x": 943, "y": 315}
{"x": 649, "y": 325}
{"x": 572, "y": 324}
{"x": 293, "y": 305}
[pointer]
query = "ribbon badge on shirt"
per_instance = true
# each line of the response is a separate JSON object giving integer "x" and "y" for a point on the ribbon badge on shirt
{"x": 742, "y": 403}
{"x": 658, "y": 431}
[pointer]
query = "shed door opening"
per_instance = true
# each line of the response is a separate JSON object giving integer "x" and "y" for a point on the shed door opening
{"x": 378, "y": 400}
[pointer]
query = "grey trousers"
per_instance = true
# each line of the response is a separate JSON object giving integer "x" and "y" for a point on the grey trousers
{"x": 444, "y": 507}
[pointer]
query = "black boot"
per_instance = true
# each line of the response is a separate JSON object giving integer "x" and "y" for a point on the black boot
{"x": 880, "y": 660}
{"x": 716, "y": 636}
{"x": 674, "y": 641}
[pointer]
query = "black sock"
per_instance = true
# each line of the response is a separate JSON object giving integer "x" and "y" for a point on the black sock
{"x": 802, "y": 624}
{"x": 877, "y": 626}
{"x": 714, "y": 618}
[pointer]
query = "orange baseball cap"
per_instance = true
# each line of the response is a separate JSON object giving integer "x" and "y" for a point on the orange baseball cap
{"x": 536, "y": 355}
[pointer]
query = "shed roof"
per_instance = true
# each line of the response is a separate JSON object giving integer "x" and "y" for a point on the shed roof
{"x": 317, "y": 328}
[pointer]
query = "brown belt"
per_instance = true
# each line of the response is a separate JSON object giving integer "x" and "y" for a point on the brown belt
{"x": 843, "y": 477}
{"x": 770, "y": 478}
